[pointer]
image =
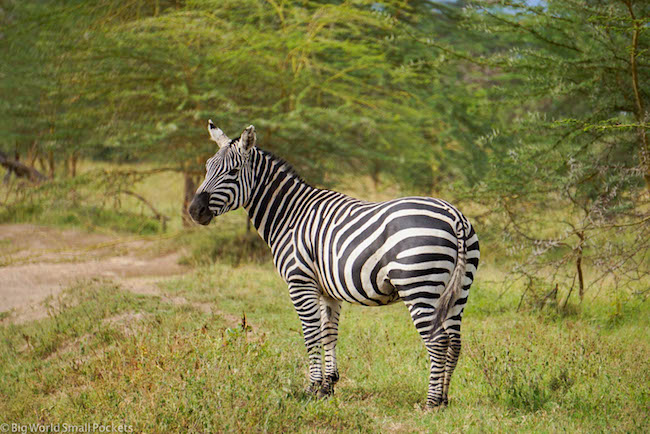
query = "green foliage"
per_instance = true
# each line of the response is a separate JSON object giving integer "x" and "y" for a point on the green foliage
{"x": 42, "y": 109}
{"x": 323, "y": 82}
{"x": 537, "y": 111}
{"x": 568, "y": 162}
{"x": 334, "y": 86}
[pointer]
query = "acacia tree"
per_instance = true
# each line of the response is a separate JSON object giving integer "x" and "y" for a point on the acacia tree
{"x": 46, "y": 114}
{"x": 452, "y": 81}
{"x": 571, "y": 172}
{"x": 329, "y": 84}
{"x": 317, "y": 79}
{"x": 22, "y": 85}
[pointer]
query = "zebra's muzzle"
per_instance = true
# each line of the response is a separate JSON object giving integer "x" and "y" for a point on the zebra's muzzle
{"x": 199, "y": 210}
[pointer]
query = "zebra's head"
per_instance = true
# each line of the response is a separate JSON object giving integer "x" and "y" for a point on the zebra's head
{"x": 228, "y": 177}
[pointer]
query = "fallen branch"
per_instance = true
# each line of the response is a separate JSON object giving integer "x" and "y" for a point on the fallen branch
{"x": 21, "y": 170}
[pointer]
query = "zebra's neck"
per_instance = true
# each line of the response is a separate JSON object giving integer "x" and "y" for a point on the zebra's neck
{"x": 278, "y": 194}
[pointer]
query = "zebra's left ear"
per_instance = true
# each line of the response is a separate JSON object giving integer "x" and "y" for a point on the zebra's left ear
{"x": 217, "y": 135}
{"x": 248, "y": 139}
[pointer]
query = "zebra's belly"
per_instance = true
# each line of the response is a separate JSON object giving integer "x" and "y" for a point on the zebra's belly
{"x": 375, "y": 269}
{"x": 376, "y": 282}
{"x": 364, "y": 292}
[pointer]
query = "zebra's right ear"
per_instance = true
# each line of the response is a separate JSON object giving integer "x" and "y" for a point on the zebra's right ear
{"x": 248, "y": 139}
{"x": 217, "y": 135}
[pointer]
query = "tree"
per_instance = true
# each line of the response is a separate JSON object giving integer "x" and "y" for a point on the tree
{"x": 570, "y": 173}
{"x": 316, "y": 79}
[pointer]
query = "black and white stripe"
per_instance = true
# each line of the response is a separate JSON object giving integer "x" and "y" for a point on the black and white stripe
{"x": 331, "y": 248}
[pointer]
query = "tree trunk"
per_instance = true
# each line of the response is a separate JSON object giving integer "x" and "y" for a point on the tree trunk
{"x": 66, "y": 168}
{"x": 188, "y": 194}
{"x": 581, "y": 280}
{"x": 375, "y": 175}
{"x": 644, "y": 148}
{"x": 43, "y": 164}
{"x": 73, "y": 164}
{"x": 50, "y": 160}
{"x": 32, "y": 154}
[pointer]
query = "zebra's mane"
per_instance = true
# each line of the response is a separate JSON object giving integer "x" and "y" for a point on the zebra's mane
{"x": 282, "y": 163}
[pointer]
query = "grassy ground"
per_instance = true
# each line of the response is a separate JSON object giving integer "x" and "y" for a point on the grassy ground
{"x": 107, "y": 355}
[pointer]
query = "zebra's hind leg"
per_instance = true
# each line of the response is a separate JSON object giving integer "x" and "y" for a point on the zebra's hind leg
{"x": 437, "y": 345}
{"x": 453, "y": 352}
{"x": 452, "y": 328}
{"x": 330, "y": 311}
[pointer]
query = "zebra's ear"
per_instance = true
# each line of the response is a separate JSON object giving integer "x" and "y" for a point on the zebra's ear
{"x": 248, "y": 139}
{"x": 217, "y": 135}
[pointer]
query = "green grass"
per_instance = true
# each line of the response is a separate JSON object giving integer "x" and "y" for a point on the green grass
{"x": 106, "y": 355}
{"x": 87, "y": 217}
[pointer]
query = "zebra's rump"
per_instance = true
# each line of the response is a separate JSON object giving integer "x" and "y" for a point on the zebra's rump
{"x": 365, "y": 252}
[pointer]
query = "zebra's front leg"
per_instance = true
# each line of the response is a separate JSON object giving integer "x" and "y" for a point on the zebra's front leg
{"x": 306, "y": 301}
{"x": 330, "y": 312}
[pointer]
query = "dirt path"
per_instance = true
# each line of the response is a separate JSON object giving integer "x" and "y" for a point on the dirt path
{"x": 37, "y": 261}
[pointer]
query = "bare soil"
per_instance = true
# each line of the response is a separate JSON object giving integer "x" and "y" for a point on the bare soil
{"x": 37, "y": 262}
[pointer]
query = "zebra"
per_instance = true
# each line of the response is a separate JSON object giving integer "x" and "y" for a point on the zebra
{"x": 330, "y": 248}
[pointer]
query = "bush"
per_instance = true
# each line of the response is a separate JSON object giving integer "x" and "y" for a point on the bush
{"x": 210, "y": 246}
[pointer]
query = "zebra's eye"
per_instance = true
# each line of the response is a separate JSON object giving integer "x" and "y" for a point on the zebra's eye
{"x": 233, "y": 171}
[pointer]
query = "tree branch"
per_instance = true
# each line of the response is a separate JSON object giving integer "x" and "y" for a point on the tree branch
{"x": 640, "y": 109}
{"x": 163, "y": 218}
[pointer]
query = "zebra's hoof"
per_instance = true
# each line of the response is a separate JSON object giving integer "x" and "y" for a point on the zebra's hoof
{"x": 326, "y": 390}
{"x": 313, "y": 388}
{"x": 436, "y": 406}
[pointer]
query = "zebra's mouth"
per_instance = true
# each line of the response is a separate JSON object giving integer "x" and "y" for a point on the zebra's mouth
{"x": 199, "y": 210}
{"x": 204, "y": 219}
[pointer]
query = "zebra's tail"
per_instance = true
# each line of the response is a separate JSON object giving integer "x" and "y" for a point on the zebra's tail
{"x": 455, "y": 285}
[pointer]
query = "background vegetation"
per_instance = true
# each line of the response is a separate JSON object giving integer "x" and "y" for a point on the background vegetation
{"x": 532, "y": 116}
